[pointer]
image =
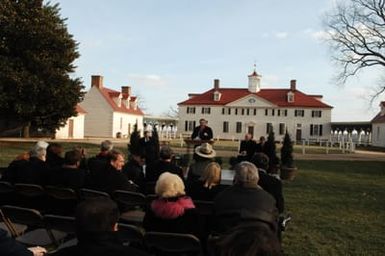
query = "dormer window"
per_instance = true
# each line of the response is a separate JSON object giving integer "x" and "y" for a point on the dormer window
{"x": 290, "y": 96}
{"x": 217, "y": 96}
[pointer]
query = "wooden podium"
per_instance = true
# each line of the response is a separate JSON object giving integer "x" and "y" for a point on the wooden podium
{"x": 191, "y": 144}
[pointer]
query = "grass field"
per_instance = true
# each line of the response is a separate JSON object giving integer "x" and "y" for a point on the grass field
{"x": 338, "y": 207}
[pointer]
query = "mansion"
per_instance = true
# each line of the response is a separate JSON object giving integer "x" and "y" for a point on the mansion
{"x": 232, "y": 112}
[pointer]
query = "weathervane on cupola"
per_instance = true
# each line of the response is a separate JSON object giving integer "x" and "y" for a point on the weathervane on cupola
{"x": 254, "y": 81}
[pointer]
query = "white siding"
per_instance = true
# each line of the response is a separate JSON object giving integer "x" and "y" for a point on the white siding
{"x": 378, "y": 134}
{"x": 259, "y": 121}
{"x": 122, "y": 122}
{"x": 99, "y": 118}
{"x": 78, "y": 128}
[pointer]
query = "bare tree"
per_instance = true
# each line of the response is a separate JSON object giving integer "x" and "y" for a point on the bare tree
{"x": 356, "y": 33}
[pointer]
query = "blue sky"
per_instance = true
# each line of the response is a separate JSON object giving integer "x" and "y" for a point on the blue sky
{"x": 165, "y": 49}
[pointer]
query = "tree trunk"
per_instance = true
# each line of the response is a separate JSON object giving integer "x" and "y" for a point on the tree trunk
{"x": 26, "y": 130}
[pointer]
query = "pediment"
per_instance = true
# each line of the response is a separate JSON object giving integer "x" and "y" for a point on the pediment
{"x": 251, "y": 101}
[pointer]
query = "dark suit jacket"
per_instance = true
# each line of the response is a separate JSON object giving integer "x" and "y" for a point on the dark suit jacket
{"x": 149, "y": 147}
{"x": 155, "y": 170}
{"x": 205, "y": 134}
{"x": 99, "y": 244}
{"x": 274, "y": 187}
{"x": 197, "y": 191}
{"x": 108, "y": 180}
{"x": 237, "y": 205}
{"x": 32, "y": 171}
{"x": 10, "y": 247}
{"x": 67, "y": 177}
{"x": 134, "y": 172}
{"x": 248, "y": 146}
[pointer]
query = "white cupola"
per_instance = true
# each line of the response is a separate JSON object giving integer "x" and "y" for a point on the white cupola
{"x": 254, "y": 82}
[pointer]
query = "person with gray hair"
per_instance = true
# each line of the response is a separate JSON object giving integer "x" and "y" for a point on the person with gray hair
{"x": 244, "y": 201}
{"x": 99, "y": 162}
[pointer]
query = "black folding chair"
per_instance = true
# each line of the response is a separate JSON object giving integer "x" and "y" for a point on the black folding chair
{"x": 161, "y": 243}
{"x": 131, "y": 235}
{"x": 31, "y": 196}
{"x": 7, "y": 193}
{"x": 37, "y": 233}
{"x": 62, "y": 201}
{"x": 132, "y": 206}
{"x": 86, "y": 193}
{"x": 65, "y": 224}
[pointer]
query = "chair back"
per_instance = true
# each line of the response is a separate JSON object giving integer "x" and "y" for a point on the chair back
{"x": 204, "y": 207}
{"x": 29, "y": 190}
{"x": 130, "y": 233}
{"x": 61, "y": 193}
{"x": 86, "y": 193}
{"x": 25, "y": 216}
{"x": 7, "y": 193}
{"x": 129, "y": 199}
{"x": 172, "y": 243}
{"x": 61, "y": 223}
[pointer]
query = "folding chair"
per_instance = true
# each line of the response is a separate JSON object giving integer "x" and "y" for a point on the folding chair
{"x": 31, "y": 196}
{"x": 161, "y": 243}
{"x": 86, "y": 193}
{"x": 62, "y": 201}
{"x": 7, "y": 193}
{"x": 132, "y": 205}
{"x": 131, "y": 235}
{"x": 36, "y": 234}
{"x": 205, "y": 215}
{"x": 65, "y": 224}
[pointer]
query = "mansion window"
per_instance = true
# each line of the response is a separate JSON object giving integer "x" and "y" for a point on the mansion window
{"x": 247, "y": 111}
{"x": 229, "y": 111}
{"x": 281, "y": 128}
{"x": 190, "y": 110}
{"x": 205, "y": 110}
{"x": 269, "y": 127}
{"x": 273, "y": 112}
{"x": 225, "y": 127}
{"x": 266, "y": 112}
{"x": 285, "y": 112}
{"x": 255, "y": 111}
{"x": 223, "y": 111}
{"x": 299, "y": 112}
{"x": 278, "y": 112}
{"x": 238, "y": 127}
{"x": 316, "y": 130}
{"x": 243, "y": 111}
{"x": 236, "y": 111}
{"x": 316, "y": 113}
{"x": 189, "y": 126}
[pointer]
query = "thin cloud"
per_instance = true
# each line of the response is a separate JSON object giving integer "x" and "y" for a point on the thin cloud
{"x": 281, "y": 35}
{"x": 150, "y": 80}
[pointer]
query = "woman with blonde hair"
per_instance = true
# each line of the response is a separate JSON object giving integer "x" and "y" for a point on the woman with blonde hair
{"x": 208, "y": 185}
{"x": 172, "y": 211}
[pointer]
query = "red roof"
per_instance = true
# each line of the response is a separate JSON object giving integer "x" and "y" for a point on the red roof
{"x": 379, "y": 118}
{"x": 80, "y": 110}
{"x": 109, "y": 94}
{"x": 275, "y": 96}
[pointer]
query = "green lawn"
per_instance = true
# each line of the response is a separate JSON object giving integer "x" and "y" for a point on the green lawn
{"x": 338, "y": 207}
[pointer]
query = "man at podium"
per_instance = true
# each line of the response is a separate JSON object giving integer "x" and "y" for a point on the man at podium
{"x": 202, "y": 132}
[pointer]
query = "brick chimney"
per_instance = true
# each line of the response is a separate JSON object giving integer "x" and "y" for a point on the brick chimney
{"x": 126, "y": 90}
{"x": 97, "y": 81}
{"x": 293, "y": 85}
{"x": 216, "y": 84}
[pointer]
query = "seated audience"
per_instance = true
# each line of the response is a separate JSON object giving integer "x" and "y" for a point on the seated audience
{"x": 54, "y": 155}
{"x": 247, "y": 240}
{"x": 68, "y": 175}
{"x": 164, "y": 164}
{"x": 110, "y": 178}
{"x": 172, "y": 211}
{"x": 10, "y": 247}
{"x": 32, "y": 171}
{"x": 244, "y": 201}
{"x": 100, "y": 161}
{"x": 247, "y": 148}
{"x": 203, "y": 155}
{"x": 133, "y": 169}
{"x": 208, "y": 185}
{"x": 96, "y": 230}
{"x": 268, "y": 182}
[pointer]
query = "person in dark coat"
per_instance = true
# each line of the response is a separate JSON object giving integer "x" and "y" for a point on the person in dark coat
{"x": 164, "y": 164}
{"x": 244, "y": 202}
{"x": 54, "y": 155}
{"x": 68, "y": 175}
{"x": 202, "y": 132}
{"x": 111, "y": 178}
{"x": 97, "y": 231}
{"x": 31, "y": 171}
{"x": 100, "y": 161}
{"x": 269, "y": 183}
{"x": 133, "y": 169}
{"x": 208, "y": 185}
{"x": 247, "y": 148}
{"x": 260, "y": 147}
{"x": 10, "y": 247}
{"x": 172, "y": 211}
{"x": 148, "y": 145}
